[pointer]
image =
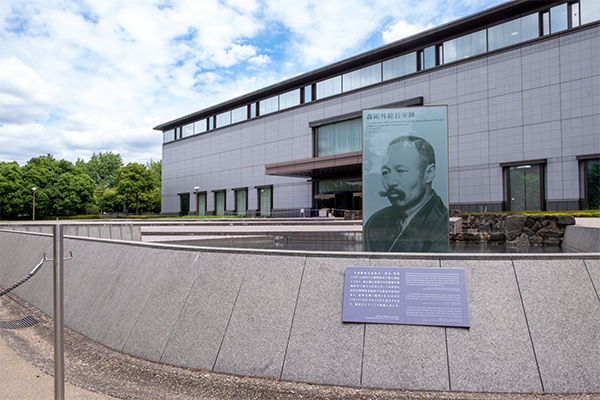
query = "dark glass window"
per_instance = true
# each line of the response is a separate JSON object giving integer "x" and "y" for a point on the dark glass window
{"x": 241, "y": 202}
{"x": 590, "y": 183}
{"x": 184, "y": 204}
{"x": 525, "y": 186}
{"x": 265, "y": 201}
{"x": 201, "y": 203}
{"x": 220, "y": 203}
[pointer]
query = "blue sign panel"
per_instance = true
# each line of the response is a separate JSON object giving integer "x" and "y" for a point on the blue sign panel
{"x": 411, "y": 296}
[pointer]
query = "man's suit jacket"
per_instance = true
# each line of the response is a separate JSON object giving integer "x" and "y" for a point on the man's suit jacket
{"x": 426, "y": 232}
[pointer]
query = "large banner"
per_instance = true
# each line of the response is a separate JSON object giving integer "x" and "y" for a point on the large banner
{"x": 405, "y": 179}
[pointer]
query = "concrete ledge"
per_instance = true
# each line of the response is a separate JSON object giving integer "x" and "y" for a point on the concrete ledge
{"x": 535, "y": 318}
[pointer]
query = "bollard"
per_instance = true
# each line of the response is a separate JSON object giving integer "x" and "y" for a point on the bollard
{"x": 59, "y": 350}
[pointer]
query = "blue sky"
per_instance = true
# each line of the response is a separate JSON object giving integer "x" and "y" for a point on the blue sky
{"x": 90, "y": 76}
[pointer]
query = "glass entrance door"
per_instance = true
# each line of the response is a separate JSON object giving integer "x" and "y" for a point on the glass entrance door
{"x": 184, "y": 204}
{"x": 525, "y": 188}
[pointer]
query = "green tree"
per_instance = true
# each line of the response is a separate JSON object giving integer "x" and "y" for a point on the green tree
{"x": 102, "y": 168}
{"x": 133, "y": 181}
{"x": 61, "y": 187}
{"x": 153, "y": 199}
{"x": 12, "y": 199}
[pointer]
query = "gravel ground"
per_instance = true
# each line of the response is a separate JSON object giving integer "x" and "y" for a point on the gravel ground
{"x": 94, "y": 367}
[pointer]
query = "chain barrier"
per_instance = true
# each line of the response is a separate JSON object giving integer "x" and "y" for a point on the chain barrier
{"x": 25, "y": 278}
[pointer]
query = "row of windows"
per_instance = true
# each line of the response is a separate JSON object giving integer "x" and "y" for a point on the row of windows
{"x": 265, "y": 202}
{"x": 553, "y": 20}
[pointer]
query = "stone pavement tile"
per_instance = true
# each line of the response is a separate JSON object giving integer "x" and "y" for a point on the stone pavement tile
{"x": 314, "y": 354}
{"x": 495, "y": 353}
{"x": 20, "y": 380}
{"x": 593, "y": 267}
{"x": 563, "y": 312}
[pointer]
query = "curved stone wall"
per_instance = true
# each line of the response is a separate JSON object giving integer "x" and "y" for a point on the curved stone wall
{"x": 535, "y": 319}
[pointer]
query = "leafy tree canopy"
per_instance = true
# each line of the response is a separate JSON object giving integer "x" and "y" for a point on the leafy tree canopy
{"x": 134, "y": 180}
{"x": 12, "y": 198}
{"x": 102, "y": 168}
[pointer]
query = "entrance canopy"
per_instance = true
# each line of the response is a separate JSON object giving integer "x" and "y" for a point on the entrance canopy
{"x": 339, "y": 165}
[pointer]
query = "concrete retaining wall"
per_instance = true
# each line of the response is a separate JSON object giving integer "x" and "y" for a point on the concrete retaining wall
{"x": 582, "y": 238}
{"x": 117, "y": 231}
{"x": 535, "y": 320}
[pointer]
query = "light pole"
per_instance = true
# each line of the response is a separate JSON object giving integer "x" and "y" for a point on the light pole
{"x": 196, "y": 190}
{"x": 33, "y": 190}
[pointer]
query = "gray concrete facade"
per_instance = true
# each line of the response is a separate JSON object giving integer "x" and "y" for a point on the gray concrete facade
{"x": 535, "y": 319}
{"x": 536, "y": 101}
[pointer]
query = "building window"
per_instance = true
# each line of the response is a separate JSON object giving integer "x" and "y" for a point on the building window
{"x": 308, "y": 94}
{"x": 199, "y": 126}
{"x": 339, "y": 138}
{"x": 184, "y": 204}
{"x": 400, "y": 66}
{"x": 574, "y": 19}
{"x": 465, "y": 46}
{"x": 289, "y": 99}
{"x": 268, "y": 106}
{"x": 241, "y": 202}
{"x": 253, "y": 111}
{"x": 524, "y": 187}
{"x": 589, "y": 171}
{"x": 201, "y": 203}
{"x": 220, "y": 205}
{"x": 429, "y": 57}
{"x": 223, "y": 119}
{"x": 168, "y": 136}
{"x": 513, "y": 32}
{"x": 362, "y": 77}
{"x": 329, "y": 87}
{"x": 590, "y": 11}
{"x": 559, "y": 18}
{"x": 265, "y": 200}
{"x": 211, "y": 123}
{"x": 187, "y": 130}
{"x": 239, "y": 114}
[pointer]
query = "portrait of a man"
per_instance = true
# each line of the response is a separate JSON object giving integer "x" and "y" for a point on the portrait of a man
{"x": 416, "y": 219}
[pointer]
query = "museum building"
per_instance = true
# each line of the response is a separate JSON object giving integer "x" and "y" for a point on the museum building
{"x": 521, "y": 82}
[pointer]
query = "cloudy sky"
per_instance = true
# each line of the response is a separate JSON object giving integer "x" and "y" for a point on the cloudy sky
{"x": 79, "y": 77}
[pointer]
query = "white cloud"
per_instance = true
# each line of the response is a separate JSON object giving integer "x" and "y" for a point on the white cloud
{"x": 79, "y": 123}
{"x": 24, "y": 96}
{"x": 260, "y": 60}
{"x": 229, "y": 57}
{"x": 401, "y": 30}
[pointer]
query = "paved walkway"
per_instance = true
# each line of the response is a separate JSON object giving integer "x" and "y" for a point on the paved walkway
{"x": 88, "y": 364}
{"x": 19, "y": 380}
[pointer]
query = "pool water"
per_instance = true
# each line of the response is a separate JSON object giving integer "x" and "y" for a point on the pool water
{"x": 350, "y": 246}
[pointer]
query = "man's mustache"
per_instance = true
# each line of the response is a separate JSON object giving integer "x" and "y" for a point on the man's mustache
{"x": 393, "y": 190}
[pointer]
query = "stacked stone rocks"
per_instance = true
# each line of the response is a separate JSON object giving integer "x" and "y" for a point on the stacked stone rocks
{"x": 512, "y": 229}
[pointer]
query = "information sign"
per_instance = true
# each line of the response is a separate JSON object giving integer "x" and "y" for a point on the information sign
{"x": 411, "y": 296}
